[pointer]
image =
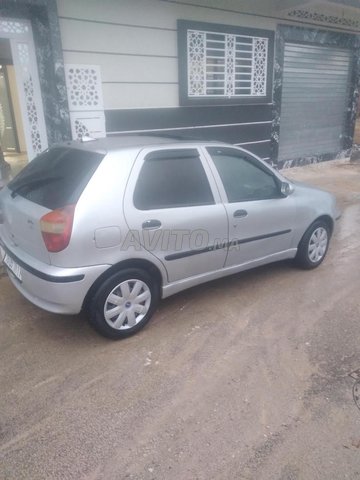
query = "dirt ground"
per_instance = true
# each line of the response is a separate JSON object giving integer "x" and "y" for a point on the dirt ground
{"x": 243, "y": 378}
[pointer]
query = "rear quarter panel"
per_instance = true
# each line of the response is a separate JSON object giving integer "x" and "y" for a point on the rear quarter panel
{"x": 100, "y": 208}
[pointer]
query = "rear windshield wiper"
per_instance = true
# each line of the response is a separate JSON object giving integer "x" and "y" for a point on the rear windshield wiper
{"x": 33, "y": 184}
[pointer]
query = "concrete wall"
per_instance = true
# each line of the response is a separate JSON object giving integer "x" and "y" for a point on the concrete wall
{"x": 135, "y": 44}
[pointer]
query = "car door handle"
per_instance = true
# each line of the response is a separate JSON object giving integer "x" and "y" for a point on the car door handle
{"x": 151, "y": 224}
{"x": 240, "y": 213}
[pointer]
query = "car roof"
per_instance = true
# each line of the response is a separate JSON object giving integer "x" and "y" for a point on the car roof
{"x": 114, "y": 143}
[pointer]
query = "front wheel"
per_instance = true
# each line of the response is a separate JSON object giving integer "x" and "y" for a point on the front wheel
{"x": 124, "y": 303}
{"x": 314, "y": 245}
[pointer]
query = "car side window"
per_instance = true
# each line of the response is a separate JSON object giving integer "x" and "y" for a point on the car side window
{"x": 172, "y": 178}
{"x": 244, "y": 179}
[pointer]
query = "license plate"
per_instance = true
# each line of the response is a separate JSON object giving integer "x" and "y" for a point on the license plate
{"x": 12, "y": 266}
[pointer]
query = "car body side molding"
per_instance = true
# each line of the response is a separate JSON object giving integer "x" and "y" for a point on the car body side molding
{"x": 211, "y": 248}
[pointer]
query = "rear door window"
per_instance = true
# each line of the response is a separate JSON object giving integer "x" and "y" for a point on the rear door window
{"x": 172, "y": 178}
{"x": 57, "y": 177}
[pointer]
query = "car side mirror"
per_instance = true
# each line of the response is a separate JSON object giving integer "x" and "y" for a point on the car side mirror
{"x": 286, "y": 189}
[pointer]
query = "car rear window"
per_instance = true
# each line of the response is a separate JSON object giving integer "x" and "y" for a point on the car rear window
{"x": 57, "y": 177}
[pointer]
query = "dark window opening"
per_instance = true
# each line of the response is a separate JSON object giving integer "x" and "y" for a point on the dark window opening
{"x": 172, "y": 179}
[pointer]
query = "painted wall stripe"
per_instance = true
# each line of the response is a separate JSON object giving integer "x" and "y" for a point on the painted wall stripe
{"x": 99, "y": 52}
{"x": 120, "y": 82}
{"x": 252, "y": 143}
{"x": 195, "y": 127}
{"x": 128, "y": 25}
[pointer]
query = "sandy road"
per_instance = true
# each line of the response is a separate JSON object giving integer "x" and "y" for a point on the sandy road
{"x": 243, "y": 378}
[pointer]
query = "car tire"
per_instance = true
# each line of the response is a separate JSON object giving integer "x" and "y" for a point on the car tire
{"x": 313, "y": 246}
{"x": 124, "y": 303}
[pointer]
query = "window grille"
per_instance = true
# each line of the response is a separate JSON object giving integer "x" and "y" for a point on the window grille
{"x": 226, "y": 65}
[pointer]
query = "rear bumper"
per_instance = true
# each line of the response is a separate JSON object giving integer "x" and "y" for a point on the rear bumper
{"x": 55, "y": 289}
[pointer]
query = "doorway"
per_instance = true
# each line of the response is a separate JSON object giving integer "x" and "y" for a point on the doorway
{"x": 12, "y": 139}
{"x": 22, "y": 122}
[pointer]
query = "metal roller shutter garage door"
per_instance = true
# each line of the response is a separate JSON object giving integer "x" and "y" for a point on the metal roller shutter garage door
{"x": 314, "y": 100}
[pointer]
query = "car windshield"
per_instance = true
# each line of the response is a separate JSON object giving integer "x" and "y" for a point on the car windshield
{"x": 57, "y": 177}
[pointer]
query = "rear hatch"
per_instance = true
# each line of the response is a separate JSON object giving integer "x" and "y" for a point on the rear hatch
{"x": 51, "y": 181}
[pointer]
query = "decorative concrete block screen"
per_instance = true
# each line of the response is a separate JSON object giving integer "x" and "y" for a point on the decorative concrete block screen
{"x": 85, "y": 100}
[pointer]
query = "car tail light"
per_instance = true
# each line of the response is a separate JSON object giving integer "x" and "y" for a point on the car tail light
{"x": 56, "y": 228}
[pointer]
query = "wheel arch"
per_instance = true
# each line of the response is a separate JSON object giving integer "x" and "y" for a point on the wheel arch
{"x": 328, "y": 220}
{"x": 139, "y": 263}
{"x": 324, "y": 218}
{"x": 302, "y": 256}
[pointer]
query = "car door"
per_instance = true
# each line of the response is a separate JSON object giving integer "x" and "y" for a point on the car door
{"x": 260, "y": 217}
{"x": 174, "y": 211}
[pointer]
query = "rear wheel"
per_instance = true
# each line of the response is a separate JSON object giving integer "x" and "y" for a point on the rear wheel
{"x": 124, "y": 303}
{"x": 314, "y": 245}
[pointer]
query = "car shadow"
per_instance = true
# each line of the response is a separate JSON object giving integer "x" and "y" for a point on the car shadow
{"x": 75, "y": 329}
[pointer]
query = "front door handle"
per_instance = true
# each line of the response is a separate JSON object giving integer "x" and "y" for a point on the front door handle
{"x": 240, "y": 214}
{"x": 151, "y": 224}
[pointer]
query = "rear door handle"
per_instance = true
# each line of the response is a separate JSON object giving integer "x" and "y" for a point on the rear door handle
{"x": 240, "y": 213}
{"x": 151, "y": 224}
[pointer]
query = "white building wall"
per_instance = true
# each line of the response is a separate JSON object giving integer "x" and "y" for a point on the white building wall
{"x": 132, "y": 44}
{"x": 135, "y": 44}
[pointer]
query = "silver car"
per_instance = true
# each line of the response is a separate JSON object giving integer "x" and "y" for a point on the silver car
{"x": 113, "y": 225}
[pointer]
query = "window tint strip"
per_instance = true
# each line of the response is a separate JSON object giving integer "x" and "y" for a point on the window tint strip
{"x": 178, "y": 153}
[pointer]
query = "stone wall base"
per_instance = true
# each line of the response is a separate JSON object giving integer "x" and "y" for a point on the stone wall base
{"x": 355, "y": 154}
